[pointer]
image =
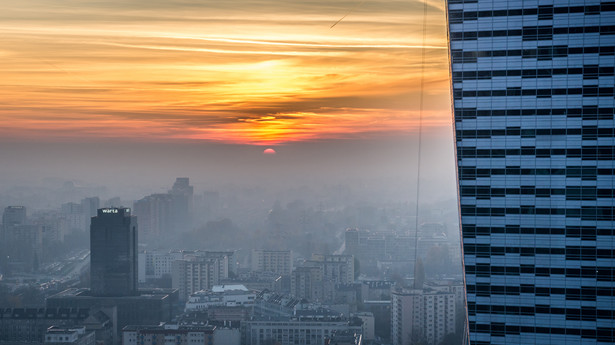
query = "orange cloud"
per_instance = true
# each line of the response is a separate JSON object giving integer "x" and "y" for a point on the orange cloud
{"x": 267, "y": 72}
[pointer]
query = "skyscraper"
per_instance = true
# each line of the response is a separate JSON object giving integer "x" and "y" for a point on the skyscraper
{"x": 532, "y": 86}
{"x": 113, "y": 246}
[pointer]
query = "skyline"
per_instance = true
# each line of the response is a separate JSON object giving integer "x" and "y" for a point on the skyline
{"x": 258, "y": 73}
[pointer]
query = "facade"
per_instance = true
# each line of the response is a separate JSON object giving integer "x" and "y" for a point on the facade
{"x": 20, "y": 325}
{"x": 421, "y": 316}
{"x": 294, "y": 332}
{"x": 74, "y": 336}
{"x": 168, "y": 335}
{"x": 194, "y": 274}
{"x": 533, "y": 102}
{"x": 336, "y": 268}
{"x": 113, "y": 245}
{"x": 278, "y": 261}
{"x": 154, "y": 213}
{"x": 149, "y": 307}
{"x": 307, "y": 282}
{"x": 221, "y": 296}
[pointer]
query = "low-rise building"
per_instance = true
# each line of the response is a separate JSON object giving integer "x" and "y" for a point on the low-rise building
{"x": 65, "y": 336}
{"x": 221, "y": 295}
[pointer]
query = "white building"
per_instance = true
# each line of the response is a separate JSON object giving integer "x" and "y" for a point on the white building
{"x": 369, "y": 325}
{"x": 192, "y": 275}
{"x": 221, "y": 295}
{"x": 421, "y": 316}
{"x": 76, "y": 336}
{"x": 169, "y": 334}
{"x": 278, "y": 261}
{"x": 294, "y": 332}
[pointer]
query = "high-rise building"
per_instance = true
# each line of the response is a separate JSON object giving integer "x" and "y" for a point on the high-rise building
{"x": 421, "y": 316}
{"x": 194, "y": 274}
{"x": 113, "y": 246}
{"x": 278, "y": 261}
{"x": 532, "y": 86}
{"x": 182, "y": 195}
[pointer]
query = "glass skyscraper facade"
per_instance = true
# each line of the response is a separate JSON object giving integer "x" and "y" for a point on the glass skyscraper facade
{"x": 532, "y": 86}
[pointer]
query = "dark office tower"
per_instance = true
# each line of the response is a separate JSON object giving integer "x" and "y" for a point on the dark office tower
{"x": 113, "y": 246}
{"x": 533, "y": 102}
{"x": 181, "y": 203}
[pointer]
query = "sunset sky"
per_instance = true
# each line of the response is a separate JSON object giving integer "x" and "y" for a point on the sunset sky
{"x": 258, "y": 72}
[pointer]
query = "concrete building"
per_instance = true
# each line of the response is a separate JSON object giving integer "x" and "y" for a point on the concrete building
{"x": 30, "y": 325}
{"x": 310, "y": 331}
{"x": 221, "y": 296}
{"x": 421, "y": 316}
{"x": 154, "y": 213}
{"x": 113, "y": 246}
{"x": 532, "y": 85}
{"x": 168, "y": 334}
{"x": 278, "y": 261}
{"x": 74, "y": 336}
{"x": 148, "y": 307}
{"x": 307, "y": 282}
{"x": 194, "y": 274}
{"x": 368, "y": 326}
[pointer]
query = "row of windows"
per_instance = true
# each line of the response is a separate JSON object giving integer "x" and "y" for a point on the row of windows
{"x": 586, "y": 91}
{"x": 571, "y": 193}
{"x": 586, "y": 132}
{"x": 605, "y": 213}
{"x": 584, "y": 314}
{"x": 586, "y": 113}
{"x": 588, "y": 72}
{"x": 533, "y": 33}
{"x": 584, "y": 172}
{"x": 540, "y": 53}
{"x": 571, "y": 252}
{"x": 543, "y": 12}
{"x": 605, "y": 274}
{"x": 602, "y": 152}
{"x": 572, "y": 231}
{"x": 500, "y": 329}
{"x": 582, "y": 294}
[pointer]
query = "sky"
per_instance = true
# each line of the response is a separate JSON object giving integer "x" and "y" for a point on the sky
{"x": 132, "y": 94}
{"x": 261, "y": 72}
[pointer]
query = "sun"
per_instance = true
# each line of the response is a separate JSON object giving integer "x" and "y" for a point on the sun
{"x": 269, "y": 151}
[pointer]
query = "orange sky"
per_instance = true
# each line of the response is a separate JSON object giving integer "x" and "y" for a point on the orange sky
{"x": 256, "y": 72}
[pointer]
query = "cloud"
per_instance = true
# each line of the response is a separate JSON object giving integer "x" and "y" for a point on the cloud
{"x": 246, "y": 71}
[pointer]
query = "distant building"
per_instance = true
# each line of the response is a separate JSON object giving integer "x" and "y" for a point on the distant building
{"x": 307, "y": 282}
{"x": 336, "y": 268}
{"x": 149, "y": 307}
{"x": 194, "y": 274}
{"x": 221, "y": 296}
{"x": 182, "y": 197}
{"x": 74, "y": 336}
{"x": 113, "y": 246}
{"x": 423, "y": 316}
{"x": 13, "y": 215}
{"x": 314, "y": 329}
{"x": 278, "y": 261}
{"x": 168, "y": 334}
{"x": 154, "y": 213}
{"x": 30, "y": 325}
{"x": 368, "y": 325}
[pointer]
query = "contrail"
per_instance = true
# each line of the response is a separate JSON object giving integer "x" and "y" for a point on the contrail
{"x": 346, "y": 15}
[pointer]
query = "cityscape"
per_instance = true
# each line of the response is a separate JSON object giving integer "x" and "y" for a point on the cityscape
{"x": 311, "y": 173}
